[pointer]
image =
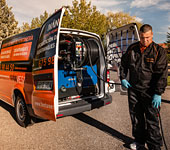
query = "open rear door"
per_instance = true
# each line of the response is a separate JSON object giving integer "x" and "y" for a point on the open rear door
{"x": 118, "y": 41}
{"x": 45, "y": 68}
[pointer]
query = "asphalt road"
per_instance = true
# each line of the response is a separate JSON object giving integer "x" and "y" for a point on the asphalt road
{"x": 107, "y": 128}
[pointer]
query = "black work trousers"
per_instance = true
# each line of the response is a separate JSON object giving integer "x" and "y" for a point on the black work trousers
{"x": 145, "y": 121}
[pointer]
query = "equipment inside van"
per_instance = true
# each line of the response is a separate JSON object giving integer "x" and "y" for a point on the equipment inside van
{"x": 52, "y": 72}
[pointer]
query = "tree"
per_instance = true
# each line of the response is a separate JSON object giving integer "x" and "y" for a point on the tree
{"x": 8, "y": 24}
{"x": 168, "y": 38}
{"x": 25, "y": 27}
{"x": 168, "y": 44}
{"x": 82, "y": 15}
{"x": 35, "y": 23}
{"x": 38, "y": 22}
{"x": 85, "y": 17}
{"x": 115, "y": 20}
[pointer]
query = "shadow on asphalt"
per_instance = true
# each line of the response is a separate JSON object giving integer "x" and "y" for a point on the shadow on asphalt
{"x": 11, "y": 110}
{"x": 8, "y": 108}
{"x": 165, "y": 101}
{"x": 99, "y": 125}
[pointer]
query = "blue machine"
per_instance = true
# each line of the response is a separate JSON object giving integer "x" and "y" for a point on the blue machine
{"x": 77, "y": 70}
{"x": 68, "y": 79}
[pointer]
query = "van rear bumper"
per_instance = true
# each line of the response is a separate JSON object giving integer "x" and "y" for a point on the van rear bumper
{"x": 83, "y": 105}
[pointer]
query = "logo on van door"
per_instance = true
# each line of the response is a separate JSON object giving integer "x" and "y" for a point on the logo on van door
{"x": 20, "y": 79}
{"x": 46, "y": 48}
{"x": 53, "y": 25}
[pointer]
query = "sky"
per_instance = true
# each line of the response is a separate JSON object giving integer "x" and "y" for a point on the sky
{"x": 153, "y": 12}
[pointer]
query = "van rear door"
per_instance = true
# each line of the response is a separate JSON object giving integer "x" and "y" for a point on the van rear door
{"x": 45, "y": 68}
{"x": 118, "y": 41}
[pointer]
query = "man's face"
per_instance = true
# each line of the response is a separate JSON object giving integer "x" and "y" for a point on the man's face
{"x": 146, "y": 38}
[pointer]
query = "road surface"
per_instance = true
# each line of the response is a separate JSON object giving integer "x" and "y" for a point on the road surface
{"x": 107, "y": 128}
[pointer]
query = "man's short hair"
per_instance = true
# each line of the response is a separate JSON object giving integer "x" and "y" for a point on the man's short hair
{"x": 145, "y": 28}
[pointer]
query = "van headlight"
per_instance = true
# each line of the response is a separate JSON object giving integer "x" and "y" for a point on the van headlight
{"x": 44, "y": 85}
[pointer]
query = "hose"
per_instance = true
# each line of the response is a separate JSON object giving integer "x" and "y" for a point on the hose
{"x": 91, "y": 65}
{"x": 160, "y": 121}
{"x": 158, "y": 112}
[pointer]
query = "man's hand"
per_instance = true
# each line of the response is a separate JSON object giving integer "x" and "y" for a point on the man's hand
{"x": 125, "y": 83}
{"x": 156, "y": 101}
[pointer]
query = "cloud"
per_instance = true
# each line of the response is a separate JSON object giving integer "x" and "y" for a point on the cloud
{"x": 144, "y": 3}
{"x": 108, "y": 5}
{"x": 25, "y": 11}
{"x": 164, "y": 6}
{"x": 165, "y": 28}
{"x": 139, "y": 19}
{"x": 160, "y": 4}
{"x": 161, "y": 32}
{"x": 168, "y": 17}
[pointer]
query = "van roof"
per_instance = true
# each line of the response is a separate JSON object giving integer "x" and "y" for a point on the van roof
{"x": 78, "y": 32}
{"x": 16, "y": 36}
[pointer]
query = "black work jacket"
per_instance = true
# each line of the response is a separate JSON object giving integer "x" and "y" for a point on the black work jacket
{"x": 148, "y": 71}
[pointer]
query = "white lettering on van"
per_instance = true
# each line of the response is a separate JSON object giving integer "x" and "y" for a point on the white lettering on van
{"x": 21, "y": 54}
{"x": 43, "y": 105}
{"x": 5, "y": 56}
{"x": 54, "y": 24}
{"x": 46, "y": 41}
{"x": 21, "y": 49}
{"x": 6, "y": 52}
{"x": 46, "y": 48}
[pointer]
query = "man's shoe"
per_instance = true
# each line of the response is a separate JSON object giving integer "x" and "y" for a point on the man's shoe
{"x": 136, "y": 146}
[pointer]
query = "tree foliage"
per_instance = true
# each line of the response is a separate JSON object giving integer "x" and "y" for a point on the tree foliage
{"x": 168, "y": 37}
{"x": 116, "y": 20}
{"x": 85, "y": 17}
{"x": 25, "y": 27}
{"x": 35, "y": 23}
{"x": 8, "y": 24}
{"x": 168, "y": 44}
{"x": 82, "y": 15}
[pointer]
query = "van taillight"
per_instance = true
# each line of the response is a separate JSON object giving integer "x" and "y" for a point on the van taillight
{"x": 108, "y": 75}
{"x": 60, "y": 115}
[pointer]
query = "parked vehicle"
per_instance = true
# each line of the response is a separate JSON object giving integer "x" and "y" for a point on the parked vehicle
{"x": 52, "y": 72}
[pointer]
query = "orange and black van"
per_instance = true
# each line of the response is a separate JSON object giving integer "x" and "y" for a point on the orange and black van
{"x": 16, "y": 80}
{"x": 52, "y": 72}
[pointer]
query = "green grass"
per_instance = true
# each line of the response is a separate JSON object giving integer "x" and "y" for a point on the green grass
{"x": 169, "y": 80}
{"x": 168, "y": 55}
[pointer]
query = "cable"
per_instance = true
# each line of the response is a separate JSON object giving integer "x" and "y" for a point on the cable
{"x": 91, "y": 65}
{"x": 160, "y": 122}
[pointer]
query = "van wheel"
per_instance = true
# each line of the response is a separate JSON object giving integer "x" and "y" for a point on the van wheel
{"x": 21, "y": 112}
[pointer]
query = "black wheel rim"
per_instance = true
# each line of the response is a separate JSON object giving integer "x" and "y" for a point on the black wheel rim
{"x": 20, "y": 110}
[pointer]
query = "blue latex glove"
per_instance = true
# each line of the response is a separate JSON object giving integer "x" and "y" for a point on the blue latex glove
{"x": 125, "y": 83}
{"x": 156, "y": 101}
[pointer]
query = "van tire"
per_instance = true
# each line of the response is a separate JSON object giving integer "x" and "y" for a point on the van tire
{"x": 22, "y": 116}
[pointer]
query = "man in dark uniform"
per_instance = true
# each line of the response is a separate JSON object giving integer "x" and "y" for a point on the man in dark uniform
{"x": 146, "y": 63}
